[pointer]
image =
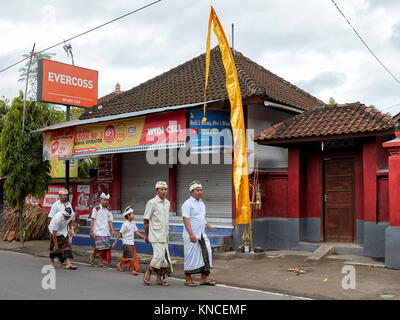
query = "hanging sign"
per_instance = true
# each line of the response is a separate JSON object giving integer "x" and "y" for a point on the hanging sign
{"x": 213, "y": 135}
{"x": 66, "y": 84}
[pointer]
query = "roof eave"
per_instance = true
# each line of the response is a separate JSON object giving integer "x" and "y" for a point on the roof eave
{"x": 324, "y": 138}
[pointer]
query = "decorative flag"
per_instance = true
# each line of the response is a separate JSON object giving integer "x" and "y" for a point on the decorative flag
{"x": 240, "y": 172}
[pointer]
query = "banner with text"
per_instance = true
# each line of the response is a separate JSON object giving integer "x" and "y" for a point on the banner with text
{"x": 211, "y": 136}
{"x": 154, "y": 131}
{"x": 58, "y": 143}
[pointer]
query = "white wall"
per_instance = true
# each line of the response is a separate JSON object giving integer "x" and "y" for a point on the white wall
{"x": 260, "y": 117}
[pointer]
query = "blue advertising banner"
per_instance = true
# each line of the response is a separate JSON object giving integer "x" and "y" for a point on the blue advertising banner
{"x": 214, "y": 135}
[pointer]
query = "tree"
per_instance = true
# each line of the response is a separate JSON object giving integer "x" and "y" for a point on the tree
{"x": 332, "y": 101}
{"x": 21, "y": 159}
{"x": 4, "y": 107}
{"x": 33, "y": 73}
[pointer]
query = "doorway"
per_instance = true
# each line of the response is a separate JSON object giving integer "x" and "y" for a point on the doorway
{"x": 338, "y": 200}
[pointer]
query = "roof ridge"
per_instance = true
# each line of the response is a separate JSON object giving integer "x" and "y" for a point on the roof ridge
{"x": 279, "y": 78}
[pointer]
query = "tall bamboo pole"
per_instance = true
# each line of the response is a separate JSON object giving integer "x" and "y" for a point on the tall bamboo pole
{"x": 20, "y": 210}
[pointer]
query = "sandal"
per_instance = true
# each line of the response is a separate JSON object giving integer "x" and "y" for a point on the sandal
{"x": 190, "y": 284}
{"x": 208, "y": 283}
{"x": 146, "y": 280}
{"x": 120, "y": 269}
{"x": 134, "y": 273}
{"x": 162, "y": 283}
{"x": 101, "y": 266}
{"x": 71, "y": 267}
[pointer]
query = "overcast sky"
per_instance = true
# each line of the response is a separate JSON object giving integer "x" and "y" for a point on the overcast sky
{"x": 307, "y": 42}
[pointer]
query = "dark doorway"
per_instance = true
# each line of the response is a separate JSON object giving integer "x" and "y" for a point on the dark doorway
{"x": 339, "y": 218}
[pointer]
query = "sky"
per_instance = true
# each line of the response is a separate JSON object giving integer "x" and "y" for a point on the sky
{"x": 308, "y": 43}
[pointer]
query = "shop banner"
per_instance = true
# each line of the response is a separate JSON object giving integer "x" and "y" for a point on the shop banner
{"x": 213, "y": 135}
{"x": 58, "y": 143}
{"x": 163, "y": 130}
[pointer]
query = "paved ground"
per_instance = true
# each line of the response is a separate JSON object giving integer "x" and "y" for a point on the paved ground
{"x": 21, "y": 277}
{"x": 322, "y": 280}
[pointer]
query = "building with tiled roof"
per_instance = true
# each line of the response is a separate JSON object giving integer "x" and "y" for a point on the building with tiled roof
{"x": 184, "y": 85}
{"x": 342, "y": 120}
{"x": 117, "y": 129}
{"x": 337, "y": 184}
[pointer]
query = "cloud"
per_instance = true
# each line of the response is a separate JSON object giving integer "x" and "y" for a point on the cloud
{"x": 327, "y": 80}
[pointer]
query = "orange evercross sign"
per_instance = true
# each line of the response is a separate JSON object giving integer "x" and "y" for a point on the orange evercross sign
{"x": 66, "y": 84}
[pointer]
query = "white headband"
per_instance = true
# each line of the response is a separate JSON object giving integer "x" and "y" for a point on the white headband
{"x": 105, "y": 196}
{"x": 63, "y": 191}
{"x": 130, "y": 210}
{"x": 161, "y": 184}
{"x": 194, "y": 186}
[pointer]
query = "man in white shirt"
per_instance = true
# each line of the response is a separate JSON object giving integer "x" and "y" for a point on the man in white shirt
{"x": 156, "y": 227}
{"x": 60, "y": 205}
{"x": 59, "y": 244}
{"x": 197, "y": 248}
{"x": 100, "y": 226}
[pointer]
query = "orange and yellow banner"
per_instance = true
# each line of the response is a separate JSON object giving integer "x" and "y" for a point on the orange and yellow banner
{"x": 240, "y": 171}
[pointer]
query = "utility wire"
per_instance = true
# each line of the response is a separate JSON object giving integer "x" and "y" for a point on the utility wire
{"x": 397, "y": 80}
{"x": 83, "y": 33}
{"x": 390, "y": 107}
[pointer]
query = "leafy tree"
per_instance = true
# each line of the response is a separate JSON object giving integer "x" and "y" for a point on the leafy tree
{"x": 4, "y": 107}
{"x": 332, "y": 101}
{"x": 21, "y": 159}
{"x": 33, "y": 72}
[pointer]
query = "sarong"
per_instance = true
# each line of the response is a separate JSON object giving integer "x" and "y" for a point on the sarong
{"x": 161, "y": 260}
{"x": 64, "y": 249}
{"x": 198, "y": 257}
{"x": 129, "y": 257}
{"x": 102, "y": 247}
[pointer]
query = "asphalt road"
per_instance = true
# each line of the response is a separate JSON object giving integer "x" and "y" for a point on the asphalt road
{"x": 21, "y": 278}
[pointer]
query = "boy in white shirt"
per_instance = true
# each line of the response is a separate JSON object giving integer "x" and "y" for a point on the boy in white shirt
{"x": 100, "y": 226}
{"x": 128, "y": 231}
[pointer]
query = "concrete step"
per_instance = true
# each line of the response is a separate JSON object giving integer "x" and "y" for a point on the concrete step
{"x": 176, "y": 235}
{"x": 175, "y": 247}
{"x": 323, "y": 251}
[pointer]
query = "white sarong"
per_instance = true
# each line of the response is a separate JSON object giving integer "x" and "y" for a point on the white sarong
{"x": 194, "y": 259}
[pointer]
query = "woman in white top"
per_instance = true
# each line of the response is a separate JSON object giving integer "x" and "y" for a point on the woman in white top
{"x": 128, "y": 231}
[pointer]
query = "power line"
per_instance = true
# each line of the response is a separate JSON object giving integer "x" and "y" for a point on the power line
{"x": 397, "y": 80}
{"x": 83, "y": 33}
{"x": 390, "y": 107}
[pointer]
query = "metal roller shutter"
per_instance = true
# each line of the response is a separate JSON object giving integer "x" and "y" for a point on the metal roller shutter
{"x": 138, "y": 180}
{"x": 216, "y": 180}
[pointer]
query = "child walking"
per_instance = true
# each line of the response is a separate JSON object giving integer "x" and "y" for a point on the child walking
{"x": 128, "y": 231}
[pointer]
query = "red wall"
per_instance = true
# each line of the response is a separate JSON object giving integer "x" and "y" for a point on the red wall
{"x": 314, "y": 186}
{"x": 383, "y": 198}
{"x": 274, "y": 186}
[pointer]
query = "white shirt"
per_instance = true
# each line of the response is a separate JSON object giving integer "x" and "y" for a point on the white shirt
{"x": 195, "y": 211}
{"x": 59, "y": 224}
{"x": 157, "y": 212}
{"x": 128, "y": 230}
{"x": 59, "y": 206}
{"x": 102, "y": 216}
